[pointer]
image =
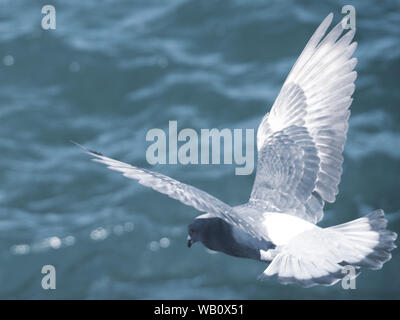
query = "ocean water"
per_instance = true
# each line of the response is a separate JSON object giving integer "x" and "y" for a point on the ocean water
{"x": 113, "y": 70}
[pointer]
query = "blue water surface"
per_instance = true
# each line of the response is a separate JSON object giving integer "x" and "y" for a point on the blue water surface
{"x": 113, "y": 70}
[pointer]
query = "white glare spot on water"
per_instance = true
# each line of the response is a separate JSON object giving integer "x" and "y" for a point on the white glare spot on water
{"x": 99, "y": 234}
{"x": 45, "y": 244}
{"x": 164, "y": 242}
{"x": 118, "y": 229}
{"x": 8, "y": 60}
{"x": 54, "y": 242}
{"x": 129, "y": 226}
{"x": 74, "y": 67}
{"x": 154, "y": 246}
{"x": 20, "y": 249}
{"x": 69, "y": 240}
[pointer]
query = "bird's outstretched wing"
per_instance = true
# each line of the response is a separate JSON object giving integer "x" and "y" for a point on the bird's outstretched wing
{"x": 186, "y": 194}
{"x": 300, "y": 141}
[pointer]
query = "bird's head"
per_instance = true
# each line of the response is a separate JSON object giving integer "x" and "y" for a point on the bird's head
{"x": 205, "y": 228}
{"x": 194, "y": 232}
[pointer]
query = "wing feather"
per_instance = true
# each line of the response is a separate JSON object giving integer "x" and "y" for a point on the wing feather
{"x": 316, "y": 96}
{"x": 188, "y": 195}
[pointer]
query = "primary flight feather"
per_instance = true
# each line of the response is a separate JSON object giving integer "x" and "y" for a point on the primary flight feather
{"x": 300, "y": 144}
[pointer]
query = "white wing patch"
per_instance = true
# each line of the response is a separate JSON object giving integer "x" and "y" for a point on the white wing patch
{"x": 281, "y": 227}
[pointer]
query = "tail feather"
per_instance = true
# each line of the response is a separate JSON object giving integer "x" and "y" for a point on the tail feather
{"x": 317, "y": 256}
{"x": 369, "y": 234}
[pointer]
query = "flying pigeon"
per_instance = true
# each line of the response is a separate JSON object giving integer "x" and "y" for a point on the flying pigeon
{"x": 300, "y": 143}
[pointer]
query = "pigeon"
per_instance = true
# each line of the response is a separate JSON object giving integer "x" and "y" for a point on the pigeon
{"x": 299, "y": 166}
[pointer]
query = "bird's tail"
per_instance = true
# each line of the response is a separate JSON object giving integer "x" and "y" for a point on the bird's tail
{"x": 368, "y": 233}
{"x": 318, "y": 256}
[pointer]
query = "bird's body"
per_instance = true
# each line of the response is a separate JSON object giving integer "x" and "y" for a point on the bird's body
{"x": 224, "y": 237}
{"x": 279, "y": 228}
{"x": 300, "y": 143}
{"x": 236, "y": 242}
{"x": 300, "y": 251}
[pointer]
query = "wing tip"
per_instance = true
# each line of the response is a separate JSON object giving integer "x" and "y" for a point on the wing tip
{"x": 328, "y": 20}
{"x": 325, "y": 24}
{"x": 86, "y": 150}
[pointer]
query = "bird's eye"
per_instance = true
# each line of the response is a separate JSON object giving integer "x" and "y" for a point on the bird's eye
{"x": 191, "y": 230}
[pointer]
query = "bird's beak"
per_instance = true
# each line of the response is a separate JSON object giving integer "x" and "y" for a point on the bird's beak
{"x": 189, "y": 241}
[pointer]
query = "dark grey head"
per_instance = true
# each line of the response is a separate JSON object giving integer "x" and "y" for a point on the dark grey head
{"x": 207, "y": 229}
{"x": 218, "y": 235}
